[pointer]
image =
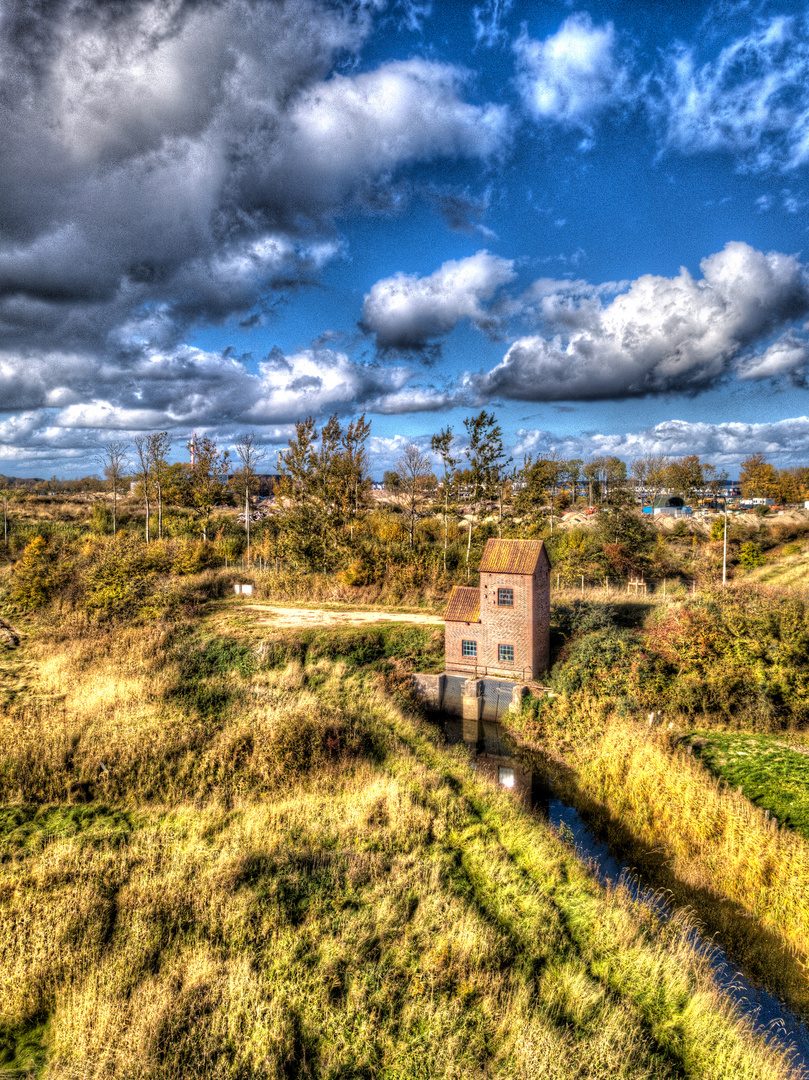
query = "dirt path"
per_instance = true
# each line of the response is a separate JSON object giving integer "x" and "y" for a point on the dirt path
{"x": 289, "y": 617}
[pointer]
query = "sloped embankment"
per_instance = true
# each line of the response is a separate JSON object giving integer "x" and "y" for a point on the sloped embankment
{"x": 227, "y": 860}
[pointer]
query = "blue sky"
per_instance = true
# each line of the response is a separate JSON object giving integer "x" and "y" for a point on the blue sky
{"x": 590, "y": 219}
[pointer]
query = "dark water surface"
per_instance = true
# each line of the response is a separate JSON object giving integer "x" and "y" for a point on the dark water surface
{"x": 525, "y": 774}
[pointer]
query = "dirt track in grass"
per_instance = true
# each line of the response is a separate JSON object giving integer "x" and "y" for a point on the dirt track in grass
{"x": 286, "y": 617}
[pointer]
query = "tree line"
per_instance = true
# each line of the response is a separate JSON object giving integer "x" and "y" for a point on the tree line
{"x": 324, "y": 516}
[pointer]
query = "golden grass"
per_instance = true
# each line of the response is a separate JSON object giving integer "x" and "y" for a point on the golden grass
{"x": 747, "y": 878}
{"x": 302, "y": 882}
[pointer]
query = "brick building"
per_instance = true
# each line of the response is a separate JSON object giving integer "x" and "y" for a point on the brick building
{"x": 502, "y": 628}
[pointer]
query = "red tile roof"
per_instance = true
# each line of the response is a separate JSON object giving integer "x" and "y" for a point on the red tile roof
{"x": 464, "y": 605}
{"x": 512, "y": 556}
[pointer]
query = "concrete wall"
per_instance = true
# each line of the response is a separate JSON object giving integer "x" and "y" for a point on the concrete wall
{"x": 430, "y": 689}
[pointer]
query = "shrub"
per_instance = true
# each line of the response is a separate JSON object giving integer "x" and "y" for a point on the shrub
{"x": 39, "y": 574}
{"x": 601, "y": 656}
{"x": 193, "y": 557}
{"x": 718, "y": 528}
{"x": 121, "y": 581}
{"x": 101, "y": 519}
{"x": 751, "y": 555}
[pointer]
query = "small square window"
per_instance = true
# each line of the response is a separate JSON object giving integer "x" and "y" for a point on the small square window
{"x": 469, "y": 648}
{"x": 505, "y": 597}
{"x": 505, "y": 654}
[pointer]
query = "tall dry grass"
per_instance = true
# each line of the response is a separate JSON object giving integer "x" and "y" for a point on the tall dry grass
{"x": 281, "y": 873}
{"x": 747, "y": 878}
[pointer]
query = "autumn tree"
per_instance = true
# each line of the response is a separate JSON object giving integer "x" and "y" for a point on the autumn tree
{"x": 649, "y": 474}
{"x": 206, "y": 479}
{"x": 684, "y": 476}
{"x": 487, "y": 460}
{"x": 714, "y": 480}
{"x": 143, "y": 471}
{"x": 541, "y": 478}
{"x": 324, "y": 481}
{"x": 354, "y": 483}
{"x": 158, "y": 445}
{"x": 413, "y": 470}
{"x": 114, "y": 463}
{"x": 758, "y": 478}
{"x": 793, "y": 484}
{"x": 574, "y": 468}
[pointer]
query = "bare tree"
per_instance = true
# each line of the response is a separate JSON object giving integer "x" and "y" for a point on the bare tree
{"x": 144, "y": 471}
{"x": 114, "y": 462}
{"x": 649, "y": 474}
{"x": 158, "y": 445}
{"x": 441, "y": 444}
{"x": 250, "y": 452}
{"x": 413, "y": 470}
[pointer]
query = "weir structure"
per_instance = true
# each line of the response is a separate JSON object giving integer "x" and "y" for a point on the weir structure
{"x": 497, "y": 637}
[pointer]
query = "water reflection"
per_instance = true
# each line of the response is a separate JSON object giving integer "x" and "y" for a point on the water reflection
{"x": 496, "y": 758}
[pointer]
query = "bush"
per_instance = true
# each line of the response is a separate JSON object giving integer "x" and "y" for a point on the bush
{"x": 101, "y": 519}
{"x": 601, "y": 656}
{"x": 121, "y": 581}
{"x": 751, "y": 555}
{"x": 194, "y": 556}
{"x": 39, "y": 574}
{"x": 718, "y": 528}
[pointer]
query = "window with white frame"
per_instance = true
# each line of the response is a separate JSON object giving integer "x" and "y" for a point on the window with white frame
{"x": 505, "y": 654}
{"x": 505, "y": 597}
{"x": 469, "y": 648}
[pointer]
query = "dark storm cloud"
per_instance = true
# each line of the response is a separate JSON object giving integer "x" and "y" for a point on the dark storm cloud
{"x": 195, "y": 155}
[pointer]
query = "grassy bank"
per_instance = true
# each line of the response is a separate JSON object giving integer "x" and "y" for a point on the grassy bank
{"x": 688, "y": 832}
{"x": 220, "y": 856}
{"x": 771, "y": 771}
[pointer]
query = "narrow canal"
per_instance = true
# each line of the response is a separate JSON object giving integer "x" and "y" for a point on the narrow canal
{"x": 530, "y": 780}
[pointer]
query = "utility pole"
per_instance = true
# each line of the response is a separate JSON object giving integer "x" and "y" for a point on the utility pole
{"x": 725, "y": 549}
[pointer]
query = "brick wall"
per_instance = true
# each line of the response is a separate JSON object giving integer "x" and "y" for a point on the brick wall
{"x": 542, "y": 619}
{"x": 508, "y": 625}
{"x": 454, "y": 634}
{"x": 525, "y": 625}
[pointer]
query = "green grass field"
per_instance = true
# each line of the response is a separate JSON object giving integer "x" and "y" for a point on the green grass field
{"x": 771, "y": 771}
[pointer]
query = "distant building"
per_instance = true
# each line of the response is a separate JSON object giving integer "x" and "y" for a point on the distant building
{"x": 502, "y": 628}
{"x": 670, "y": 505}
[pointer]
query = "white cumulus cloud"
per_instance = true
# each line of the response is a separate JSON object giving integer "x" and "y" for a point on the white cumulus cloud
{"x": 575, "y": 74}
{"x": 406, "y": 311}
{"x": 661, "y": 334}
{"x": 722, "y": 445}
